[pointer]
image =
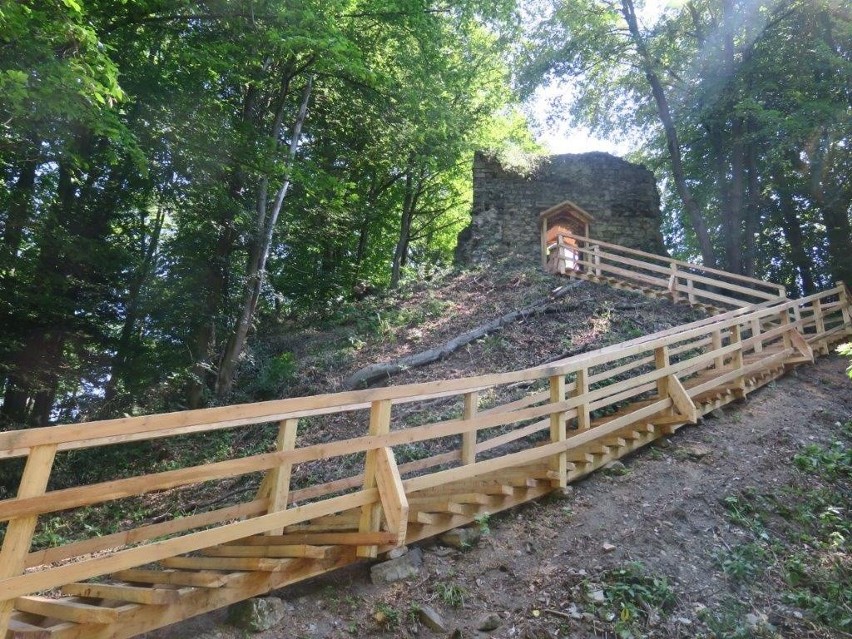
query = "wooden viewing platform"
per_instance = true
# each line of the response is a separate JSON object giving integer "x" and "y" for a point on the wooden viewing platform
{"x": 591, "y": 409}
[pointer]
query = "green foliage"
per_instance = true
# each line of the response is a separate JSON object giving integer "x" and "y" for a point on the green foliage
{"x": 633, "y": 593}
{"x": 846, "y": 351}
{"x": 834, "y": 462}
{"x": 386, "y": 616}
{"x": 742, "y": 88}
{"x": 743, "y": 563}
{"x": 139, "y": 141}
{"x": 807, "y": 548}
{"x": 451, "y": 594}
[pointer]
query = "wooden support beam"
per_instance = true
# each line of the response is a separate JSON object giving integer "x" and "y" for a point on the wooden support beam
{"x": 661, "y": 360}
{"x": 123, "y": 592}
{"x": 581, "y": 388}
{"x": 67, "y": 610}
{"x": 716, "y": 345}
{"x": 279, "y": 477}
{"x": 275, "y": 551}
{"x": 195, "y": 579}
{"x": 380, "y": 418}
{"x": 737, "y": 359}
{"x": 756, "y": 331}
{"x": 392, "y": 494}
{"x": 254, "y": 564}
{"x": 320, "y": 539}
{"x": 682, "y": 401}
{"x": 471, "y": 407}
{"x": 19, "y": 532}
{"x": 558, "y": 431}
{"x": 800, "y": 344}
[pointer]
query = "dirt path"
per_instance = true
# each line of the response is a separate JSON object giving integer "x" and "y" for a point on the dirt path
{"x": 541, "y": 569}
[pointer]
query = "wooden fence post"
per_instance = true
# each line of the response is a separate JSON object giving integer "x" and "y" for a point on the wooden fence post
{"x": 471, "y": 407}
{"x": 392, "y": 494}
{"x": 843, "y": 298}
{"x": 716, "y": 344}
{"x": 581, "y": 387}
{"x": 596, "y": 259}
{"x": 279, "y": 477}
{"x": 380, "y": 416}
{"x": 673, "y": 283}
{"x": 558, "y": 431}
{"x": 19, "y": 532}
{"x": 661, "y": 360}
{"x": 756, "y": 330}
{"x": 784, "y": 319}
{"x": 737, "y": 358}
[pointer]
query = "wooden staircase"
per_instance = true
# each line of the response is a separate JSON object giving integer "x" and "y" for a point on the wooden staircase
{"x": 588, "y": 410}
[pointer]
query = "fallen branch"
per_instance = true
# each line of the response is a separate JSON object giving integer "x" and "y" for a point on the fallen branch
{"x": 369, "y": 375}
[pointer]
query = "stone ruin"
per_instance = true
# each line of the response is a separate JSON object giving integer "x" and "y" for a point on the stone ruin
{"x": 620, "y": 196}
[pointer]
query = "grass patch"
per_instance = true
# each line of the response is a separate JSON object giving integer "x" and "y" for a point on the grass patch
{"x": 801, "y": 536}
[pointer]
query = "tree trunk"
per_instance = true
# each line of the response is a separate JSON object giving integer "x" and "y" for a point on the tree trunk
{"x": 263, "y": 243}
{"x": 752, "y": 209}
{"x": 401, "y": 249}
{"x": 793, "y": 234}
{"x": 693, "y": 212}
{"x": 20, "y": 208}
{"x": 118, "y": 367}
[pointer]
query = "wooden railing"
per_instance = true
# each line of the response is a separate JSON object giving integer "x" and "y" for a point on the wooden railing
{"x": 683, "y": 281}
{"x": 582, "y": 405}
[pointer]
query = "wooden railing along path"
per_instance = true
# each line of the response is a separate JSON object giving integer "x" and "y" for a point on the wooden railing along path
{"x": 589, "y": 409}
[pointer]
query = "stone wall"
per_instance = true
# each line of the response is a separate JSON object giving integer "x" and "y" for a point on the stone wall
{"x": 622, "y": 197}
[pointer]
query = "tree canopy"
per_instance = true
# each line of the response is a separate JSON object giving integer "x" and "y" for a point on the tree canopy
{"x": 744, "y": 108}
{"x": 174, "y": 170}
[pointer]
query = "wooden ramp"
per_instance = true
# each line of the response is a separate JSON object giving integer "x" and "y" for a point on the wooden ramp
{"x": 581, "y": 413}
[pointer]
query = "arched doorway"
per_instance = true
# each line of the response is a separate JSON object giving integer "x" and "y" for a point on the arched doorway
{"x": 563, "y": 228}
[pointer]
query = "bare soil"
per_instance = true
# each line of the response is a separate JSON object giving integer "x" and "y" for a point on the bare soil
{"x": 539, "y": 566}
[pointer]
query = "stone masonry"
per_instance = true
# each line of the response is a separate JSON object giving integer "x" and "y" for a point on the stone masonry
{"x": 622, "y": 197}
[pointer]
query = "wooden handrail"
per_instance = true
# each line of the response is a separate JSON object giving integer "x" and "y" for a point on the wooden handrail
{"x": 669, "y": 260}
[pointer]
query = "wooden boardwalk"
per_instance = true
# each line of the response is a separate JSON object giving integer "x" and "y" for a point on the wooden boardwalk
{"x": 588, "y": 410}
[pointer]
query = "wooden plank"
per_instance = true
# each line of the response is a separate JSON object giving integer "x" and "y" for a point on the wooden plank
{"x": 67, "y": 610}
{"x": 123, "y": 592}
{"x": 279, "y": 476}
{"x": 444, "y": 506}
{"x": 419, "y": 517}
{"x": 484, "y": 486}
{"x": 260, "y": 564}
{"x": 22, "y": 630}
{"x": 380, "y": 417}
{"x": 517, "y": 433}
{"x": 682, "y": 401}
{"x": 19, "y": 532}
{"x": 274, "y": 551}
{"x": 320, "y": 539}
{"x": 461, "y": 498}
{"x": 799, "y": 343}
{"x": 145, "y": 533}
{"x": 471, "y": 406}
{"x": 196, "y": 579}
{"x": 558, "y": 432}
{"x": 392, "y": 494}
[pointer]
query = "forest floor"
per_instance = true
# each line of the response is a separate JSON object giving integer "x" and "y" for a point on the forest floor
{"x": 738, "y": 527}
